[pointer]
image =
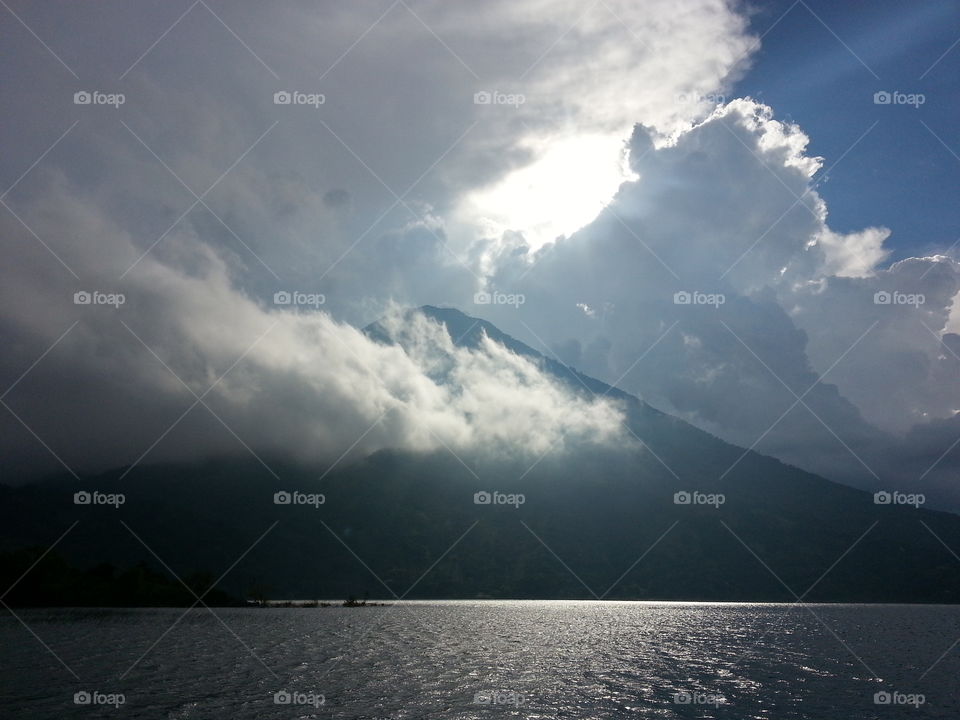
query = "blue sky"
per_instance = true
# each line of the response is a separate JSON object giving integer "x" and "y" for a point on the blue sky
{"x": 899, "y": 175}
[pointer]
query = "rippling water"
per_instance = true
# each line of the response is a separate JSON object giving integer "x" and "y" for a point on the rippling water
{"x": 464, "y": 659}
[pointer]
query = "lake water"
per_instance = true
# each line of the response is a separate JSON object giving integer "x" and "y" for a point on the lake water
{"x": 465, "y": 659}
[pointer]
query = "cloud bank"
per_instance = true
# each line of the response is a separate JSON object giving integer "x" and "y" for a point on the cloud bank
{"x": 175, "y": 362}
{"x": 819, "y": 353}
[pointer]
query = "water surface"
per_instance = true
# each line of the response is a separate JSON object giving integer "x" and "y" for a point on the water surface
{"x": 479, "y": 659}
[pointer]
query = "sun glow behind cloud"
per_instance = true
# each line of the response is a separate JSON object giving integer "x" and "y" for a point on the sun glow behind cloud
{"x": 574, "y": 177}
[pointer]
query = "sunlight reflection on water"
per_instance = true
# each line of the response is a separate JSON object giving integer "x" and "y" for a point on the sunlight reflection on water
{"x": 471, "y": 659}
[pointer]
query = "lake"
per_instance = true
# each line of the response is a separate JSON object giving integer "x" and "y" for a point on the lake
{"x": 479, "y": 659}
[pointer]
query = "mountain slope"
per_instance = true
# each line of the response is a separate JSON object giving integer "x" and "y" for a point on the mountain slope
{"x": 597, "y": 522}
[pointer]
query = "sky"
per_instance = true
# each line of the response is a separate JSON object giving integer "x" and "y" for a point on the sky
{"x": 901, "y": 176}
{"x": 707, "y": 205}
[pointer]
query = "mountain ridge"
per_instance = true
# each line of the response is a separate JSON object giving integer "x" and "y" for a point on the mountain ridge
{"x": 596, "y": 522}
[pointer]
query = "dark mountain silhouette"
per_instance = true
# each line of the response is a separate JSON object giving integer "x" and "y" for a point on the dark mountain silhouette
{"x": 595, "y": 521}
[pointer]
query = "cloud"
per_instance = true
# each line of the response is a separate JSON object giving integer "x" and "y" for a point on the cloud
{"x": 280, "y": 381}
{"x": 854, "y": 254}
{"x": 399, "y": 132}
{"x": 730, "y": 209}
{"x": 200, "y": 198}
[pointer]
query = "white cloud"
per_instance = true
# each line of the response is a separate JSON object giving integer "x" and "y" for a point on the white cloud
{"x": 659, "y": 67}
{"x": 731, "y": 207}
{"x": 287, "y": 383}
{"x": 855, "y": 254}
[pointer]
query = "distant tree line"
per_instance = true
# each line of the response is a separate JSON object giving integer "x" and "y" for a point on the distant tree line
{"x": 53, "y": 582}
